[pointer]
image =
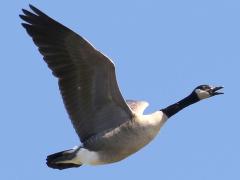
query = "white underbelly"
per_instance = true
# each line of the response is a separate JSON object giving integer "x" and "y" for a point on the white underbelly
{"x": 84, "y": 156}
{"x": 122, "y": 141}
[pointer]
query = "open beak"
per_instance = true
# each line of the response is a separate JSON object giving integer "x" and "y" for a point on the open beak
{"x": 214, "y": 91}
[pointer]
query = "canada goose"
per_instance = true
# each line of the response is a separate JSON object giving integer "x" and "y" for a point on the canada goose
{"x": 109, "y": 127}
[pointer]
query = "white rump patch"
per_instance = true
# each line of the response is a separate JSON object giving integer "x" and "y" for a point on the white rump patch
{"x": 84, "y": 156}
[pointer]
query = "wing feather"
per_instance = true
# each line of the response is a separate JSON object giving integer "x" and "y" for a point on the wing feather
{"x": 86, "y": 77}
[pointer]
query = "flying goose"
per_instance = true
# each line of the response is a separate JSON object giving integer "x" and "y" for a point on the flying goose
{"x": 110, "y": 128}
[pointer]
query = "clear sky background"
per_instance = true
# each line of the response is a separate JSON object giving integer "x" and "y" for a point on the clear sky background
{"x": 162, "y": 51}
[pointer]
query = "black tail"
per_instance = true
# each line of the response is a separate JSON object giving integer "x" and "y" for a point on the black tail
{"x": 62, "y": 160}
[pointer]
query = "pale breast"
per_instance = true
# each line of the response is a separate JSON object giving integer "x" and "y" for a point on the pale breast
{"x": 149, "y": 126}
{"x": 128, "y": 138}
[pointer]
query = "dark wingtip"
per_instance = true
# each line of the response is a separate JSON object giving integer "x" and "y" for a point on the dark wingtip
{"x": 31, "y": 6}
{"x": 22, "y": 17}
{"x": 26, "y": 12}
{"x": 25, "y": 25}
{"x": 36, "y": 10}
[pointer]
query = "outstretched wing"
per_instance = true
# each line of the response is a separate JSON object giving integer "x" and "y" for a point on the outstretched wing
{"x": 86, "y": 77}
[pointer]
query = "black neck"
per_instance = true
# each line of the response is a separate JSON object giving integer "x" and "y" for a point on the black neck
{"x": 174, "y": 108}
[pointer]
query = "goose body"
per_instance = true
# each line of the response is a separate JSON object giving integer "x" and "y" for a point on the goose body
{"x": 109, "y": 127}
{"x": 116, "y": 144}
{"x": 120, "y": 142}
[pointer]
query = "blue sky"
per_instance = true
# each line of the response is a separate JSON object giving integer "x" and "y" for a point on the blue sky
{"x": 162, "y": 51}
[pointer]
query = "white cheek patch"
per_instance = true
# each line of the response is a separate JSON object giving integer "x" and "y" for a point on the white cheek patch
{"x": 202, "y": 94}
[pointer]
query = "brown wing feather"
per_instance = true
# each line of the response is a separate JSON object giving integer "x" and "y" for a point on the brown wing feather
{"x": 87, "y": 79}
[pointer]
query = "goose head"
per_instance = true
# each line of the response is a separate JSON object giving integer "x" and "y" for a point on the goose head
{"x": 206, "y": 91}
